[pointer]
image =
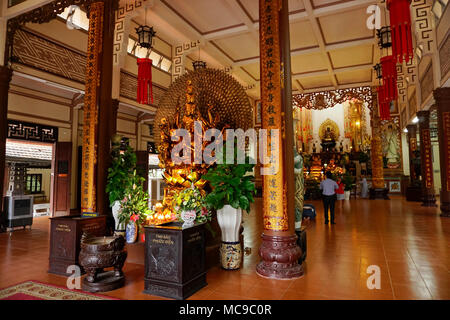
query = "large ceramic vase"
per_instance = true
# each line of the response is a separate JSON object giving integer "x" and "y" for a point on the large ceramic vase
{"x": 131, "y": 232}
{"x": 230, "y": 220}
{"x": 119, "y": 228}
{"x": 347, "y": 195}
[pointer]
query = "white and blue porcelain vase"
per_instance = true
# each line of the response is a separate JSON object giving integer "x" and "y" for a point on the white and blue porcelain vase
{"x": 131, "y": 232}
{"x": 230, "y": 220}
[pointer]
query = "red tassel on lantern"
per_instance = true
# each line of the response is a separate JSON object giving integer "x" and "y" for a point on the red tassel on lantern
{"x": 144, "y": 80}
{"x": 389, "y": 71}
{"x": 384, "y": 105}
{"x": 400, "y": 20}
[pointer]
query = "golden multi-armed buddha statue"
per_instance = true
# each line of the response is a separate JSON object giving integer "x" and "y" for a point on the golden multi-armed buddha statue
{"x": 182, "y": 176}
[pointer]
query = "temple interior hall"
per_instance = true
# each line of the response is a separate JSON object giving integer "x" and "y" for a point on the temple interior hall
{"x": 114, "y": 119}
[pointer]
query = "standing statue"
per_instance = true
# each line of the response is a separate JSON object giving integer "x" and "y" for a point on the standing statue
{"x": 299, "y": 188}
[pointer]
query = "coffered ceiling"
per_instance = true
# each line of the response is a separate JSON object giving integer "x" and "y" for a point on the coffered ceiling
{"x": 331, "y": 46}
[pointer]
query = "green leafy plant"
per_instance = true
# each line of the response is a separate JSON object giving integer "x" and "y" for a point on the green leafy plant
{"x": 135, "y": 201}
{"x": 191, "y": 199}
{"x": 120, "y": 172}
{"x": 231, "y": 185}
{"x": 348, "y": 181}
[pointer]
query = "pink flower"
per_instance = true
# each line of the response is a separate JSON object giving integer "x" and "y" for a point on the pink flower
{"x": 204, "y": 211}
{"x": 134, "y": 217}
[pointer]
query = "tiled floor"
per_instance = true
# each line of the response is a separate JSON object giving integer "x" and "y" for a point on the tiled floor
{"x": 409, "y": 243}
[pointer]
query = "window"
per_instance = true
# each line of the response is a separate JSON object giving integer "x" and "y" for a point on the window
{"x": 34, "y": 183}
{"x": 158, "y": 60}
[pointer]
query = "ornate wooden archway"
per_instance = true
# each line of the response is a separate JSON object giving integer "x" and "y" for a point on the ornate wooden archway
{"x": 327, "y": 99}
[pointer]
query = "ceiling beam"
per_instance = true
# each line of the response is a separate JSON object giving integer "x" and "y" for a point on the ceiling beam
{"x": 329, "y": 47}
{"x": 320, "y": 40}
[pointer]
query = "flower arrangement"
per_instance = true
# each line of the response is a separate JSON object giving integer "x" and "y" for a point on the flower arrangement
{"x": 191, "y": 202}
{"x": 134, "y": 204}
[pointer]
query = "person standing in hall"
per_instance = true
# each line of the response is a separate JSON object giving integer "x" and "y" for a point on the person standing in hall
{"x": 329, "y": 187}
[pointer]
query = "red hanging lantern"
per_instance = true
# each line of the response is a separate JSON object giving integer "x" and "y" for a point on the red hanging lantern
{"x": 384, "y": 105}
{"x": 385, "y": 113}
{"x": 400, "y": 20}
{"x": 389, "y": 71}
{"x": 144, "y": 86}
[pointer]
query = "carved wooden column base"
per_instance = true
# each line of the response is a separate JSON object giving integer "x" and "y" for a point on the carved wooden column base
{"x": 429, "y": 200}
{"x": 378, "y": 193}
{"x": 279, "y": 257}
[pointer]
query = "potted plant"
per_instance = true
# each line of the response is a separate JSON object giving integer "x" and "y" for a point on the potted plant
{"x": 190, "y": 205}
{"x": 119, "y": 178}
{"x": 348, "y": 182}
{"x": 232, "y": 192}
{"x": 135, "y": 209}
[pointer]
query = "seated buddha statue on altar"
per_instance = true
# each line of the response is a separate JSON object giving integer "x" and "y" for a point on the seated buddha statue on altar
{"x": 329, "y": 140}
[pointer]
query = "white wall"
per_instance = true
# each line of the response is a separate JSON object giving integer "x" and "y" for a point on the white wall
{"x": 405, "y": 154}
{"x": 436, "y": 168}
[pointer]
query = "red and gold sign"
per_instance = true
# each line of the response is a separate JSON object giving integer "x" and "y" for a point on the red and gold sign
{"x": 90, "y": 108}
{"x": 275, "y": 215}
{"x": 446, "y": 121}
{"x": 427, "y": 160}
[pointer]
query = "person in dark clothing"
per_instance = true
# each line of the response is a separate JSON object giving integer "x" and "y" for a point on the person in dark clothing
{"x": 329, "y": 187}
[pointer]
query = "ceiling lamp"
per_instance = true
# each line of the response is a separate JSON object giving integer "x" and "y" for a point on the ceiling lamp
{"x": 199, "y": 64}
{"x": 144, "y": 85}
{"x": 400, "y": 20}
{"x": 384, "y": 37}
{"x": 145, "y": 36}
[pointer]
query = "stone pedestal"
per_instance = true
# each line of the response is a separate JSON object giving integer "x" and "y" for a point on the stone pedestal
{"x": 174, "y": 260}
{"x": 442, "y": 97}
{"x": 428, "y": 197}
